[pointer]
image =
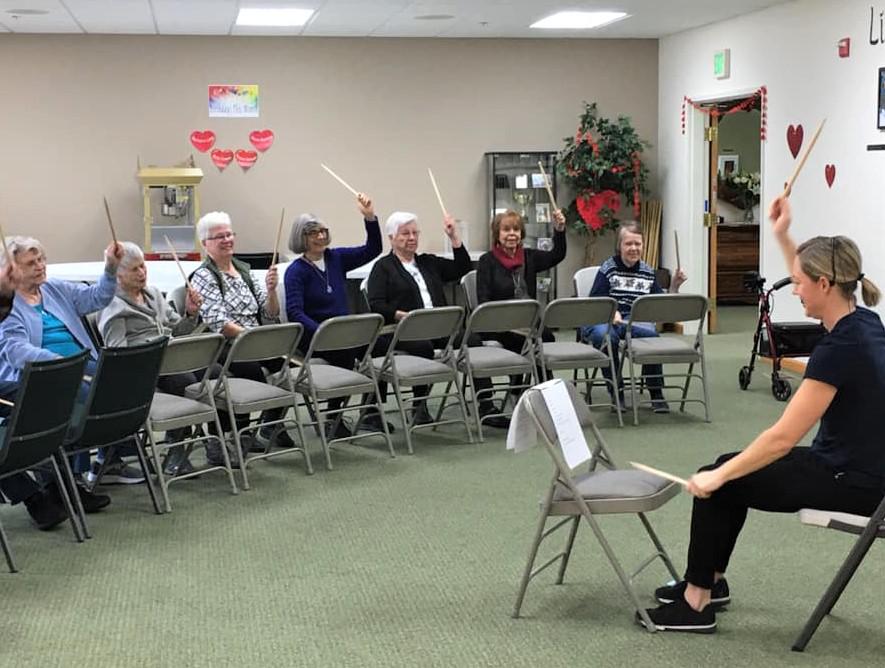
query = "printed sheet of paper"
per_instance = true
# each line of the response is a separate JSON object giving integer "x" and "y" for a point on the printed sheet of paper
{"x": 568, "y": 428}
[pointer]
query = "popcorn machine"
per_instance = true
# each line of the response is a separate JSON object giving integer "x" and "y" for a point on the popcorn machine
{"x": 171, "y": 210}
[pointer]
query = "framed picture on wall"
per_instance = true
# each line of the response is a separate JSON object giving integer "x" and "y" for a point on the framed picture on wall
{"x": 729, "y": 164}
{"x": 542, "y": 212}
{"x": 881, "y": 124}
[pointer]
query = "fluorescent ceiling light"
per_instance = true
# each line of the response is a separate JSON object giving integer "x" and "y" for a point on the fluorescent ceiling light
{"x": 280, "y": 17}
{"x": 578, "y": 20}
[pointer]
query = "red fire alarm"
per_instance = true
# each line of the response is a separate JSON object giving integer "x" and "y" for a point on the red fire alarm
{"x": 844, "y": 47}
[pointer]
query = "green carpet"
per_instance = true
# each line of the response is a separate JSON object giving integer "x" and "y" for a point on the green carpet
{"x": 415, "y": 561}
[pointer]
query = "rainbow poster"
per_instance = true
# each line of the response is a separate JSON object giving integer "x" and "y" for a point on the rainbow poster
{"x": 233, "y": 101}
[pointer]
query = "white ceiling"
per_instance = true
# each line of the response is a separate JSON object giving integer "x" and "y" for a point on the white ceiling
{"x": 366, "y": 18}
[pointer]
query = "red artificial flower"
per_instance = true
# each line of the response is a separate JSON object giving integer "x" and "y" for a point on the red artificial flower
{"x": 589, "y": 205}
{"x": 611, "y": 200}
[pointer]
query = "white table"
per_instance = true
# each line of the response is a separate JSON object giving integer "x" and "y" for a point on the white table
{"x": 164, "y": 275}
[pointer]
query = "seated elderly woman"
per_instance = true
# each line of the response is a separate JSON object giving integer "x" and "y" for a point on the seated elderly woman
{"x": 316, "y": 285}
{"x": 44, "y": 324}
{"x": 406, "y": 280}
{"x": 233, "y": 300}
{"x": 139, "y": 313}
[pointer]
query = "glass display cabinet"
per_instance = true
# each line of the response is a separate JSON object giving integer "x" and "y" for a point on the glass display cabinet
{"x": 515, "y": 182}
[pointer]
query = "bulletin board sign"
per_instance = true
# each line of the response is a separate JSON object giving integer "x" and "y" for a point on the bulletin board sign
{"x": 233, "y": 101}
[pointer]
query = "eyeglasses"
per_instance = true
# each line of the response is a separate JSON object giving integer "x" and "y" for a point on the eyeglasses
{"x": 223, "y": 237}
{"x": 318, "y": 231}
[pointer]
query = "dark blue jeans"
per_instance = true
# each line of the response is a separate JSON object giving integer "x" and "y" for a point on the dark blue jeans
{"x": 640, "y": 330}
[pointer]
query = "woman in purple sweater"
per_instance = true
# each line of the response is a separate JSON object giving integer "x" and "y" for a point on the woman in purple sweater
{"x": 316, "y": 283}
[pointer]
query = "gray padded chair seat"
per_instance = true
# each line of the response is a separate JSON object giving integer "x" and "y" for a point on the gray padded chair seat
{"x": 415, "y": 370}
{"x": 499, "y": 360}
{"x": 167, "y": 408}
{"x": 570, "y": 352}
{"x": 332, "y": 381}
{"x": 615, "y": 491}
{"x": 833, "y": 520}
{"x": 247, "y": 396}
{"x": 663, "y": 349}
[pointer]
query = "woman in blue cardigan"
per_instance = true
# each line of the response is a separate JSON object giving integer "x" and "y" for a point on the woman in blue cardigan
{"x": 316, "y": 283}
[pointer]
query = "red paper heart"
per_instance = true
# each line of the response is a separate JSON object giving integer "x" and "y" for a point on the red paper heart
{"x": 245, "y": 158}
{"x": 794, "y": 139}
{"x": 261, "y": 139}
{"x": 830, "y": 174}
{"x": 222, "y": 157}
{"x": 203, "y": 140}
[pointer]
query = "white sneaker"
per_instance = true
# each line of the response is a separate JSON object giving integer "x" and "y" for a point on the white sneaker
{"x": 118, "y": 473}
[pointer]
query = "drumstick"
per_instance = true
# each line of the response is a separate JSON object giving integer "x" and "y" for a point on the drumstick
{"x": 340, "y": 180}
{"x": 6, "y": 403}
{"x": 107, "y": 210}
{"x": 659, "y": 473}
{"x": 789, "y": 187}
{"x": 178, "y": 262}
{"x": 547, "y": 185}
{"x": 5, "y": 247}
{"x": 276, "y": 246}
{"x": 678, "y": 261}
{"x": 436, "y": 190}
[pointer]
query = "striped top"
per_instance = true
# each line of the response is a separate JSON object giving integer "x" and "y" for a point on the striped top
{"x": 624, "y": 284}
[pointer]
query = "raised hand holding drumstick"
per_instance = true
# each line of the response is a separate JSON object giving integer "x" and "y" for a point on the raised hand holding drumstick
{"x": 365, "y": 205}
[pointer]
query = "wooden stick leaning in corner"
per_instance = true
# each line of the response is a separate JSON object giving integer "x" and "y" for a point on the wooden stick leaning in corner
{"x": 547, "y": 185}
{"x": 107, "y": 211}
{"x": 178, "y": 262}
{"x": 436, "y": 190}
{"x": 789, "y": 187}
{"x": 678, "y": 261}
{"x": 340, "y": 180}
{"x": 659, "y": 473}
{"x": 276, "y": 246}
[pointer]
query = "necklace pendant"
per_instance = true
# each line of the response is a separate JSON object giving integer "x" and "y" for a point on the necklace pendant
{"x": 329, "y": 289}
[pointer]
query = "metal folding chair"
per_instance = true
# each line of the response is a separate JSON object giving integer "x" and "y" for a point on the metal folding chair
{"x": 868, "y": 529}
{"x": 404, "y": 371}
{"x": 573, "y": 314}
{"x": 319, "y": 382}
{"x": 583, "y": 280}
{"x": 492, "y": 362}
{"x": 468, "y": 285}
{"x": 602, "y": 490}
{"x": 37, "y": 425}
{"x": 670, "y": 349}
{"x": 187, "y": 354}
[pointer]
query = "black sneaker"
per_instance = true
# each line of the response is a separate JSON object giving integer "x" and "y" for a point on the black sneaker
{"x": 660, "y": 406}
{"x": 280, "y": 439}
{"x": 372, "y": 422}
{"x": 45, "y": 511}
{"x": 719, "y": 595}
{"x": 421, "y": 415}
{"x": 91, "y": 501}
{"x": 339, "y": 431}
{"x": 680, "y": 616}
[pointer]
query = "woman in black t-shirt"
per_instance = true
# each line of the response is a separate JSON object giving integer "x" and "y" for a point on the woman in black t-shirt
{"x": 843, "y": 470}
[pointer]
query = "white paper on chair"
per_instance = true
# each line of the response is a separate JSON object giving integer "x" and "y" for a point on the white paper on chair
{"x": 568, "y": 429}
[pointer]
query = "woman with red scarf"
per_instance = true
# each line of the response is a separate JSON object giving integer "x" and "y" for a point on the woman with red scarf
{"x": 509, "y": 270}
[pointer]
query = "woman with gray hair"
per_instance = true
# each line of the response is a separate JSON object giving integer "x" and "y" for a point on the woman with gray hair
{"x": 139, "y": 313}
{"x": 316, "y": 283}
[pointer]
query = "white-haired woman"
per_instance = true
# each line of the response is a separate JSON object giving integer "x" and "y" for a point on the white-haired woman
{"x": 316, "y": 283}
{"x": 44, "y": 324}
{"x": 234, "y": 300}
{"x": 139, "y": 313}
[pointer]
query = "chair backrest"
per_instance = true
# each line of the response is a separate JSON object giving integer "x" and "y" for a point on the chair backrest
{"x": 583, "y": 280}
{"x": 346, "y": 331}
{"x": 39, "y": 420}
{"x": 90, "y": 323}
{"x": 178, "y": 298}
{"x": 281, "y": 289}
{"x": 577, "y": 312}
{"x": 669, "y": 308}
{"x": 427, "y": 324}
{"x": 265, "y": 342}
{"x": 121, "y": 393}
{"x": 468, "y": 285}
{"x": 191, "y": 353}
{"x": 504, "y": 315}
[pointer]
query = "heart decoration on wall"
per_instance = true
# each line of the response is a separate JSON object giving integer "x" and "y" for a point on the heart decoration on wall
{"x": 246, "y": 158}
{"x": 222, "y": 157}
{"x": 794, "y": 139}
{"x": 830, "y": 174}
{"x": 202, "y": 140}
{"x": 261, "y": 139}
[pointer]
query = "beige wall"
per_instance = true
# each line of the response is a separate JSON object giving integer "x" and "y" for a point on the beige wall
{"x": 78, "y": 110}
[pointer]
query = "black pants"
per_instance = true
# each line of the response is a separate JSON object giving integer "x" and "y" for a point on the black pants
{"x": 797, "y": 480}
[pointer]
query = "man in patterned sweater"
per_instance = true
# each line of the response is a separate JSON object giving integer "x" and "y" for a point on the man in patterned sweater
{"x": 625, "y": 278}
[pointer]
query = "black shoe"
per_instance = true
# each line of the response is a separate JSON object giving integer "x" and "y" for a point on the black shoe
{"x": 91, "y": 501}
{"x": 421, "y": 415}
{"x": 660, "y": 406}
{"x": 281, "y": 439}
{"x": 496, "y": 421}
{"x": 173, "y": 460}
{"x": 680, "y": 616}
{"x": 253, "y": 443}
{"x": 340, "y": 431}
{"x": 372, "y": 422}
{"x": 719, "y": 595}
{"x": 214, "y": 456}
{"x": 45, "y": 511}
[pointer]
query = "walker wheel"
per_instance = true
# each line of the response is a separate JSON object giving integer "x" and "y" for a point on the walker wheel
{"x": 781, "y": 389}
{"x": 744, "y": 377}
